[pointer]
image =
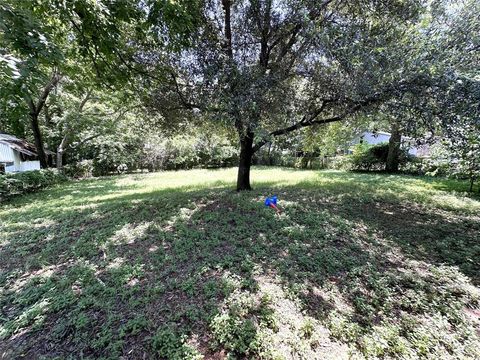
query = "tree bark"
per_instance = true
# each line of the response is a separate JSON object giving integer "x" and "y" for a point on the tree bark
{"x": 270, "y": 160}
{"x": 246, "y": 154}
{"x": 60, "y": 151}
{"x": 35, "y": 109}
{"x": 227, "y": 4}
{"x": 37, "y": 135}
{"x": 393, "y": 157}
{"x": 60, "y": 159}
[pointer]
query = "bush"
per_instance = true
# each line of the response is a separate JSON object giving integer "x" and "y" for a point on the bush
{"x": 312, "y": 162}
{"x": 439, "y": 163}
{"x": 369, "y": 157}
{"x": 79, "y": 170}
{"x": 186, "y": 152}
{"x": 341, "y": 162}
{"x": 115, "y": 158}
{"x": 373, "y": 157}
{"x": 428, "y": 166}
{"x": 29, "y": 181}
{"x": 287, "y": 161}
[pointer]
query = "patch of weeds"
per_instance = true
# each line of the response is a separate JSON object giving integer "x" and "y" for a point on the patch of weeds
{"x": 189, "y": 286}
{"x": 167, "y": 343}
{"x": 81, "y": 321}
{"x": 212, "y": 289}
{"x": 307, "y": 329}
{"x": 266, "y": 313}
{"x": 385, "y": 341}
{"x": 124, "y": 273}
{"x": 239, "y": 327}
{"x": 134, "y": 326}
{"x": 235, "y": 334}
{"x": 343, "y": 327}
{"x": 428, "y": 306}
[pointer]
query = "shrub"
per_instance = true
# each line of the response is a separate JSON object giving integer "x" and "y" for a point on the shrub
{"x": 114, "y": 158}
{"x": 369, "y": 157}
{"x": 29, "y": 181}
{"x": 373, "y": 157}
{"x": 341, "y": 162}
{"x": 79, "y": 170}
{"x": 287, "y": 161}
{"x": 312, "y": 162}
{"x": 427, "y": 166}
{"x": 186, "y": 152}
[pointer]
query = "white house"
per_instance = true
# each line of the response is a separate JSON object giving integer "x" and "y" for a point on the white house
{"x": 17, "y": 155}
{"x": 379, "y": 137}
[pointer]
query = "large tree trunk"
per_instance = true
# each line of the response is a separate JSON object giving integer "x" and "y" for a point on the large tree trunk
{"x": 393, "y": 157}
{"x": 37, "y": 135}
{"x": 246, "y": 154}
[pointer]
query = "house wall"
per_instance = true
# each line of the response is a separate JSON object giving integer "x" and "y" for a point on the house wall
{"x": 378, "y": 138}
{"x": 374, "y": 139}
{"x": 29, "y": 165}
{"x": 6, "y": 153}
{"x": 9, "y": 155}
{"x": 413, "y": 151}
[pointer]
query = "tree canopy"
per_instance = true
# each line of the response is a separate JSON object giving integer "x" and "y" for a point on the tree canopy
{"x": 269, "y": 68}
{"x": 260, "y": 69}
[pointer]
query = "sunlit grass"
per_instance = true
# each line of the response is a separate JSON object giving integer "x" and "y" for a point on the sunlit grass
{"x": 178, "y": 265}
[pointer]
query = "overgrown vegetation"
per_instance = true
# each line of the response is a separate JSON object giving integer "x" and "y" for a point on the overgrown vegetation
{"x": 175, "y": 265}
{"x": 29, "y": 181}
{"x": 121, "y": 85}
{"x": 147, "y": 152}
{"x": 373, "y": 157}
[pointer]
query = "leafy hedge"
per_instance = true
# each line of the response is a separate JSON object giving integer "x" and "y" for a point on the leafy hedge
{"x": 373, "y": 157}
{"x": 108, "y": 156}
{"x": 29, "y": 181}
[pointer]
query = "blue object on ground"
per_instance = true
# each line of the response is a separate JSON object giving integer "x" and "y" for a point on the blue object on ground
{"x": 272, "y": 200}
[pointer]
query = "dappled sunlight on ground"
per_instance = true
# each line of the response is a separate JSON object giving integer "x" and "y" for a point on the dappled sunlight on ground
{"x": 178, "y": 265}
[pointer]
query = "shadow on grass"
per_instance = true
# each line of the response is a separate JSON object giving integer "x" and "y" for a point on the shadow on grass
{"x": 139, "y": 273}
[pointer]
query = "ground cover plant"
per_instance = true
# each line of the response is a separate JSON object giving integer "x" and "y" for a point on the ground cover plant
{"x": 176, "y": 265}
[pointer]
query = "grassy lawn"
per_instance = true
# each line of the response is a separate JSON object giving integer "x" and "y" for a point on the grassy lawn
{"x": 176, "y": 265}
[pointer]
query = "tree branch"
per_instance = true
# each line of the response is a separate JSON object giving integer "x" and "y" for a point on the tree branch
{"x": 73, "y": 146}
{"x": 311, "y": 119}
{"x": 46, "y": 91}
{"x": 264, "y": 27}
{"x": 228, "y": 28}
{"x": 84, "y": 100}
{"x": 292, "y": 34}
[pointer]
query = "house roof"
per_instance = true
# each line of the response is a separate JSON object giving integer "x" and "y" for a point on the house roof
{"x": 20, "y": 145}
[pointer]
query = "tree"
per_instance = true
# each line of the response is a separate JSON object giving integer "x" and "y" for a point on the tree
{"x": 465, "y": 154}
{"x": 44, "y": 41}
{"x": 269, "y": 69}
{"x": 450, "y": 108}
{"x": 81, "y": 114}
{"x": 35, "y": 73}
